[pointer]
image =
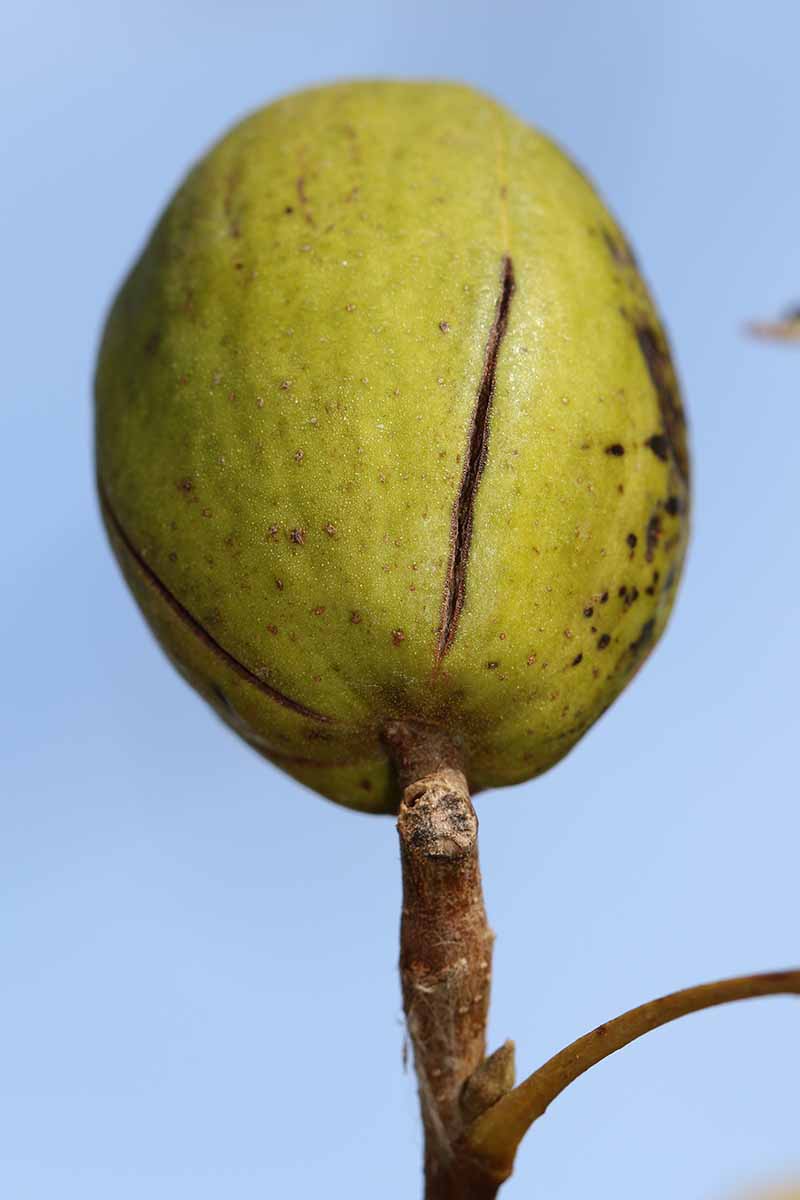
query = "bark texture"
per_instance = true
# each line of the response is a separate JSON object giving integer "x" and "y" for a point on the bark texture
{"x": 473, "y": 1116}
{"x": 445, "y": 953}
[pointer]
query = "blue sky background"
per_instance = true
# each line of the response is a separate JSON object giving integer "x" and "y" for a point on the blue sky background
{"x": 198, "y": 995}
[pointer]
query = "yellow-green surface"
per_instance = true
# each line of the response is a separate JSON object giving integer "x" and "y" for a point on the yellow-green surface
{"x": 285, "y": 392}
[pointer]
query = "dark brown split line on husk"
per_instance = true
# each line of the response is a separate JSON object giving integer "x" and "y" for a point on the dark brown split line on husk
{"x": 298, "y": 760}
{"x": 474, "y": 463}
{"x": 194, "y": 626}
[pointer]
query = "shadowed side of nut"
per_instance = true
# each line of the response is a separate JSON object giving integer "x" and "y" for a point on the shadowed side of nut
{"x": 418, "y": 750}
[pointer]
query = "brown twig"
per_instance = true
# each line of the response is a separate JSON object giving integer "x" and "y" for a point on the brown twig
{"x": 786, "y": 329}
{"x": 494, "y": 1137}
{"x": 445, "y": 956}
{"x": 474, "y": 1118}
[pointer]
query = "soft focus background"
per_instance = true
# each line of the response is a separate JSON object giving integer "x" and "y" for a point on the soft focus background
{"x": 198, "y": 995}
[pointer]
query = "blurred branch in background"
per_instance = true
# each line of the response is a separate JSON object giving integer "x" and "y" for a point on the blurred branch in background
{"x": 786, "y": 1191}
{"x": 785, "y": 329}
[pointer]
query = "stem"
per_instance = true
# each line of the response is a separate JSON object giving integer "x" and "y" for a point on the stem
{"x": 445, "y": 949}
{"x": 785, "y": 330}
{"x": 474, "y": 1118}
{"x": 497, "y": 1133}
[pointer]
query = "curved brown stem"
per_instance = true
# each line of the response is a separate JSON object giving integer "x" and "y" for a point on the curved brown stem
{"x": 474, "y": 1119}
{"x": 494, "y": 1137}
